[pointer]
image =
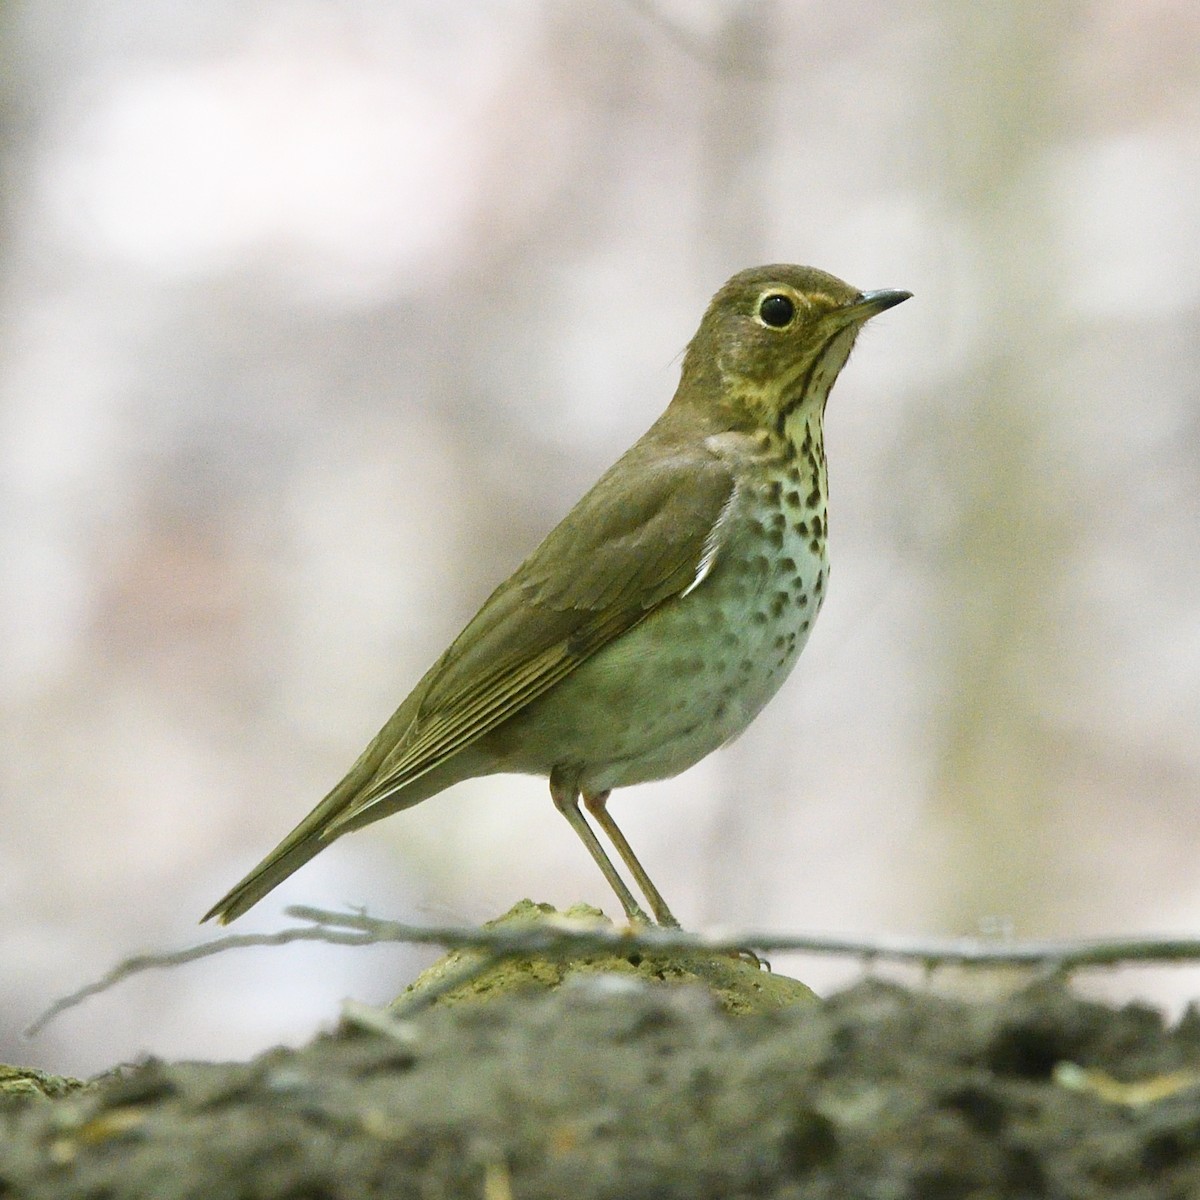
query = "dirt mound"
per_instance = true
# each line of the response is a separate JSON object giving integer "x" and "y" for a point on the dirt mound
{"x": 612, "y": 1087}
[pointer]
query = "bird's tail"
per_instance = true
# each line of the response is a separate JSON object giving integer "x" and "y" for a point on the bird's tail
{"x": 328, "y": 820}
{"x": 337, "y": 814}
{"x": 308, "y": 838}
{"x": 290, "y": 855}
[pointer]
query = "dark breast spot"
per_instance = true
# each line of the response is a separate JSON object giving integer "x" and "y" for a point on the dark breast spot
{"x": 685, "y": 668}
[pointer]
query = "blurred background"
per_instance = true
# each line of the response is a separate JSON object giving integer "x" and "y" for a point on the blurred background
{"x": 315, "y": 317}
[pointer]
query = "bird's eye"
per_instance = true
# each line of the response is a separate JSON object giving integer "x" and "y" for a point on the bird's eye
{"x": 776, "y": 310}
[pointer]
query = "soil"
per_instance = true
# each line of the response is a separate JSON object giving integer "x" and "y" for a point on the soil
{"x": 611, "y": 1085}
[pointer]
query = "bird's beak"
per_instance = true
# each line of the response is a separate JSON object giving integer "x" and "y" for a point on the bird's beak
{"x": 870, "y": 304}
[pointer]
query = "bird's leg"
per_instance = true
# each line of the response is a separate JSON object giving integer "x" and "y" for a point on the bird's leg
{"x": 566, "y": 800}
{"x": 597, "y": 805}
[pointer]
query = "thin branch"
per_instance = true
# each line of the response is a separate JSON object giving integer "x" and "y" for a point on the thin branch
{"x": 174, "y": 958}
{"x": 564, "y": 938}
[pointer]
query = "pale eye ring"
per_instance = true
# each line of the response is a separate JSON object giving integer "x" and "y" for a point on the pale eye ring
{"x": 776, "y": 310}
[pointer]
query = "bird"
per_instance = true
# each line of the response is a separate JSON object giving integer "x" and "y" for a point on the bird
{"x": 658, "y": 617}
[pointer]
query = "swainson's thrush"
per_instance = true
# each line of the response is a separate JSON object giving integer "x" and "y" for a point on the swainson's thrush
{"x": 652, "y": 625}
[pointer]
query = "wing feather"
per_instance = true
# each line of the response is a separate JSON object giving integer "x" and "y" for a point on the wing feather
{"x": 619, "y": 554}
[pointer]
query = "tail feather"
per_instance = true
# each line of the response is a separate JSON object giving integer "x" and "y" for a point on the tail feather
{"x": 269, "y": 873}
{"x": 323, "y": 826}
{"x": 312, "y": 834}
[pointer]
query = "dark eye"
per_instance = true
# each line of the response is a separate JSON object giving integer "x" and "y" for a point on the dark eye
{"x": 776, "y": 310}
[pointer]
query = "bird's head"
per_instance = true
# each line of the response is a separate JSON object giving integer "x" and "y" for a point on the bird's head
{"x": 773, "y": 341}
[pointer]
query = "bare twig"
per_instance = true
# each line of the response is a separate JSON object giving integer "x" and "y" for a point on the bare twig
{"x": 174, "y": 958}
{"x": 565, "y": 938}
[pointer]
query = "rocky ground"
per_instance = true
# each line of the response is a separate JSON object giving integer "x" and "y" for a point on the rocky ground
{"x": 612, "y": 1085}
